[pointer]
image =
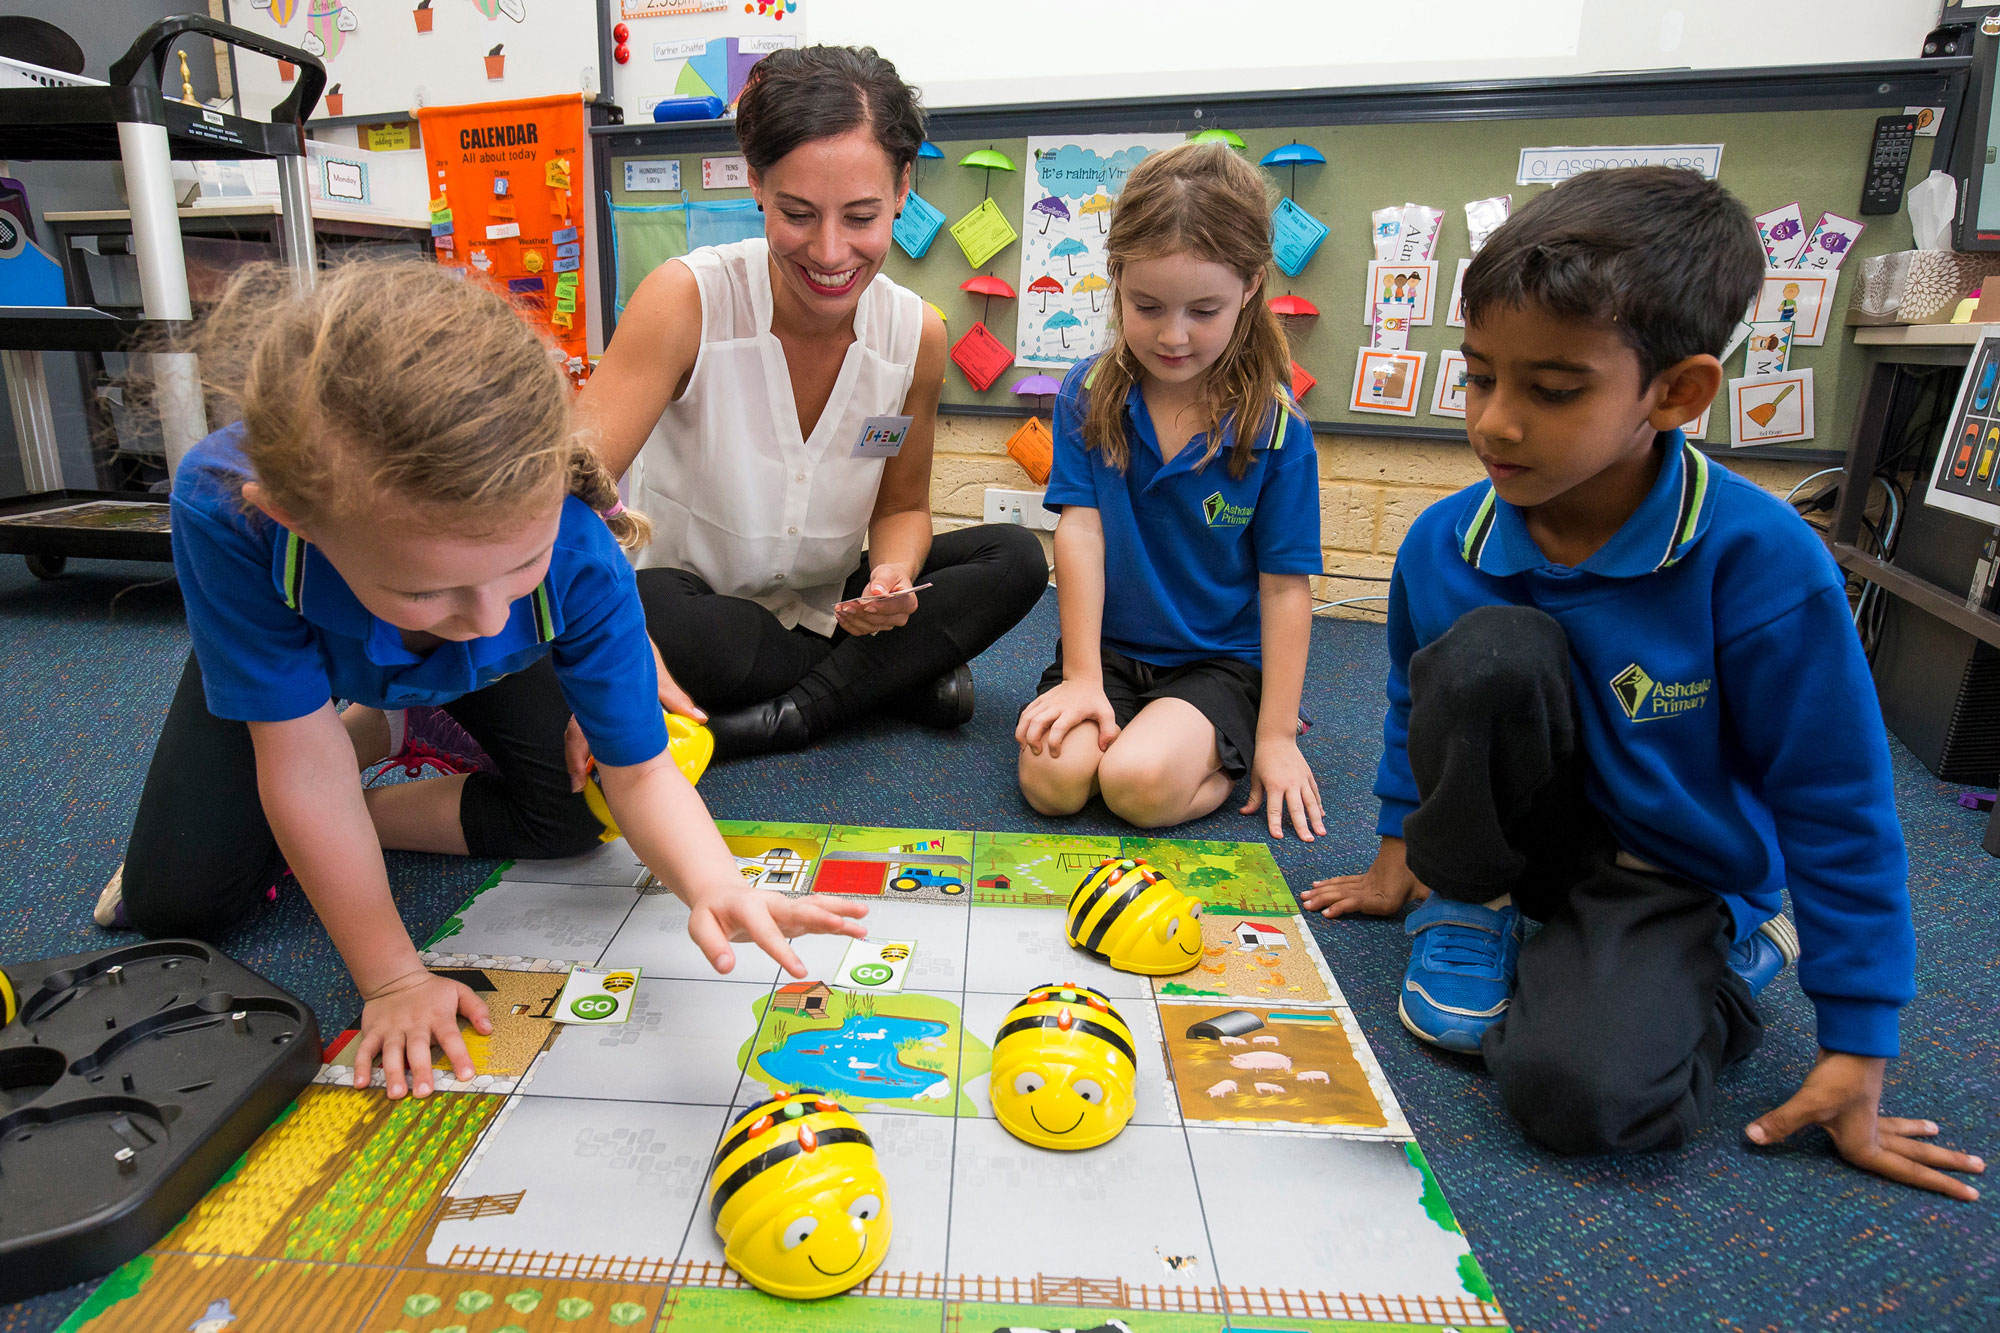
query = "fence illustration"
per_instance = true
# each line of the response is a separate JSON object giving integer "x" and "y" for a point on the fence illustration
{"x": 482, "y": 1205}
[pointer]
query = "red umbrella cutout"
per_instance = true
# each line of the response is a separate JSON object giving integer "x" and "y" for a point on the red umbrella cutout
{"x": 1046, "y": 287}
{"x": 1295, "y": 307}
{"x": 988, "y": 286}
{"x": 1052, "y": 209}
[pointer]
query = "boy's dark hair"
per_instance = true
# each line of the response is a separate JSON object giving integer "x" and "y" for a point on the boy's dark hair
{"x": 799, "y": 94}
{"x": 1668, "y": 259}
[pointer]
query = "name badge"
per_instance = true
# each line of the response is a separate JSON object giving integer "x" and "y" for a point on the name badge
{"x": 882, "y": 437}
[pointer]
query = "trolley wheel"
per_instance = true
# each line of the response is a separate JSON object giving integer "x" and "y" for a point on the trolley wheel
{"x": 47, "y": 566}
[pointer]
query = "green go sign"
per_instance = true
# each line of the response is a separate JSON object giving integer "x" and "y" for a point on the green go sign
{"x": 593, "y": 1006}
{"x": 871, "y": 974}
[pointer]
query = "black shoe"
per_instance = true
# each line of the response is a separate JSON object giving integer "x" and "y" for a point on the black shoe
{"x": 945, "y": 703}
{"x": 764, "y": 728}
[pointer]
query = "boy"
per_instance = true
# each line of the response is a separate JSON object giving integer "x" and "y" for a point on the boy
{"x": 1626, "y": 700}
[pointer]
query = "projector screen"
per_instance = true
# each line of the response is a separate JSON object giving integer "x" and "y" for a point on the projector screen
{"x": 1082, "y": 50}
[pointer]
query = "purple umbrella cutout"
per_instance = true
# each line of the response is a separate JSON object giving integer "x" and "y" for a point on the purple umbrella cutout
{"x": 1052, "y": 209}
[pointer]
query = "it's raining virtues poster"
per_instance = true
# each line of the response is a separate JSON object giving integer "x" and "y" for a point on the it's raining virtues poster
{"x": 1071, "y": 183}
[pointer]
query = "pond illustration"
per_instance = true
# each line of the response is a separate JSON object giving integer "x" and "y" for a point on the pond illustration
{"x": 860, "y": 1058}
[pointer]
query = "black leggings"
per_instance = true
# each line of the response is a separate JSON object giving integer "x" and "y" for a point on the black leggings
{"x": 202, "y": 855}
{"x": 1625, "y": 1007}
{"x": 729, "y": 652}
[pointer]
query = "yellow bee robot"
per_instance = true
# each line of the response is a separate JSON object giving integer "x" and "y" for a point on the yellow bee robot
{"x": 796, "y": 1195}
{"x": 1062, "y": 1069}
{"x": 1133, "y": 917}
{"x": 689, "y": 744}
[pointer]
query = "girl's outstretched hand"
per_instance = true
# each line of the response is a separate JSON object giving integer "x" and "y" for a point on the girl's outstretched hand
{"x": 408, "y": 1016}
{"x": 1050, "y": 717}
{"x": 1282, "y": 774}
{"x": 768, "y": 920}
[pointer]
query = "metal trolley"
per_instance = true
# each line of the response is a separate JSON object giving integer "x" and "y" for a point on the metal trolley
{"x": 130, "y": 120}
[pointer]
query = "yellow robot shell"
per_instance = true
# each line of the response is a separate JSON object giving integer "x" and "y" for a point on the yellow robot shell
{"x": 1133, "y": 917}
{"x": 689, "y": 744}
{"x": 1064, "y": 1033}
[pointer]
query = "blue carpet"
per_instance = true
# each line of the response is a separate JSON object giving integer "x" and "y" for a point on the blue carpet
{"x": 1716, "y": 1237}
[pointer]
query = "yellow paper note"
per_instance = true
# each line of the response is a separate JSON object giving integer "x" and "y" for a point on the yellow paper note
{"x": 562, "y": 318}
{"x": 393, "y": 137}
{"x": 440, "y": 204}
{"x": 983, "y": 233}
{"x": 556, "y": 172}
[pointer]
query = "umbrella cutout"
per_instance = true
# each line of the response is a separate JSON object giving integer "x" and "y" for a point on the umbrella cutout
{"x": 989, "y": 161}
{"x": 1052, "y": 209}
{"x": 929, "y": 149}
{"x": 1092, "y": 283}
{"x": 1062, "y": 322}
{"x": 1293, "y": 155}
{"x": 1098, "y": 204}
{"x": 1293, "y": 307}
{"x": 1045, "y": 287}
{"x": 1230, "y": 137}
{"x": 988, "y": 286}
{"x": 1032, "y": 446}
{"x": 1067, "y": 248}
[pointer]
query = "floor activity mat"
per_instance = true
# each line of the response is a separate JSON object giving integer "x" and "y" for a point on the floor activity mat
{"x": 1268, "y": 1179}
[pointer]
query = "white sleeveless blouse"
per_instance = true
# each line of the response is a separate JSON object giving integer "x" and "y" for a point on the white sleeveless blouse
{"x": 735, "y": 494}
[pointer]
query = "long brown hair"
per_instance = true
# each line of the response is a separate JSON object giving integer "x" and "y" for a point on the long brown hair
{"x": 1205, "y": 201}
{"x": 397, "y": 381}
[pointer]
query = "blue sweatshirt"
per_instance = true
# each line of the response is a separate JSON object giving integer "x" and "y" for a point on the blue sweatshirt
{"x": 1727, "y": 711}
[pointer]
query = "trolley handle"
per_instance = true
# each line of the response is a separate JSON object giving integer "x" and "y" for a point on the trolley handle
{"x": 154, "y": 42}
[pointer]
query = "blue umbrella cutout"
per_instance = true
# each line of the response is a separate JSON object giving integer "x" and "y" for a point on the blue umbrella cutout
{"x": 929, "y": 149}
{"x": 1293, "y": 155}
{"x": 1069, "y": 248}
{"x": 1062, "y": 322}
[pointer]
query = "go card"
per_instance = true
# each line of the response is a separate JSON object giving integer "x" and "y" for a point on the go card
{"x": 597, "y": 995}
{"x": 875, "y": 965}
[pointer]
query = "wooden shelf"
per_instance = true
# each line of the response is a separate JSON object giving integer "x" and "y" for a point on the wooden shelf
{"x": 1918, "y": 335}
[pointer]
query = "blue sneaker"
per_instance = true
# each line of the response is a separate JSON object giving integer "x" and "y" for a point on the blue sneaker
{"x": 1461, "y": 971}
{"x": 1767, "y": 952}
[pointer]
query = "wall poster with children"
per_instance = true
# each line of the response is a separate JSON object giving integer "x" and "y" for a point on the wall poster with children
{"x": 1070, "y": 183}
{"x": 506, "y": 181}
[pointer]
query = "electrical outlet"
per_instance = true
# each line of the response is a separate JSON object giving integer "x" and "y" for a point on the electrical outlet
{"x": 1022, "y": 508}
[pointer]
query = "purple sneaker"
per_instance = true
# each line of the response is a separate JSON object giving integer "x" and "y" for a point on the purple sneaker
{"x": 435, "y": 746}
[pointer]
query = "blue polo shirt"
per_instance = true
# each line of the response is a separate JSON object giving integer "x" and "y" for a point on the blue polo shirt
{"x": 1727, "y": 712}
{"x": 1184, "y": 543}
{"x": 278, "y": 633}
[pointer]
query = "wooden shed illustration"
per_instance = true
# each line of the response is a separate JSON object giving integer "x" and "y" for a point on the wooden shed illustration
{"x": 802, "y": 997}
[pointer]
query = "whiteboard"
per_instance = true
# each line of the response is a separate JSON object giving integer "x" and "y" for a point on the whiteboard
{"x": 385, "y": 67}
{"x": 1061, "y": 50}
{"x": 704, "y": 48}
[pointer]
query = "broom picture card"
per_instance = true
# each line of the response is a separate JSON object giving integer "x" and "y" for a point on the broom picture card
{"x": 1771, "y": 409}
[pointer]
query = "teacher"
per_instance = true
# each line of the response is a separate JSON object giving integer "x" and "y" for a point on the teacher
{"x": 775, "y": 401}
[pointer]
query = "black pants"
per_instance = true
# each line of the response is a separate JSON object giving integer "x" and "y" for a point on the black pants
{"x": 728, "y": 652}
{"x": 202, "y": 855}
{"x": 1625, "y": 1007}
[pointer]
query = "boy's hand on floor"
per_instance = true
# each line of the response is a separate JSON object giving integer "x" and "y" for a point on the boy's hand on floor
{"x": 1280, "y": 772}
{"x": 768, "y": 920}
{"x": 403, "y": 1022}
{"x": 1381, "y": 890}
{"x": 1050, "y": 717}
{"x": 1843, "y": 1095}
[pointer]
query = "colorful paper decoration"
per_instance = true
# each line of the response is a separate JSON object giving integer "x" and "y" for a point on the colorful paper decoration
{"x": 981, "y": 356}
{"x": 918, "y": 226}
{"x": 1034, "y": 448}
{"x": 1098, "y": 206}
{"x": 984, "y": 233}
{"x": 1091, "y": 284}
{"x": 1295, "y": 236}
{"x": 1302, "y": 381}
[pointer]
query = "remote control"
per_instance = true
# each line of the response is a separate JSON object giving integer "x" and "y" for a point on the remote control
{"x": 1888, "y": 164}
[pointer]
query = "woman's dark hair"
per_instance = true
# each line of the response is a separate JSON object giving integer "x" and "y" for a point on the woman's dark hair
{"x": 1668, "y": 259}
{"x": 803, "y": 93}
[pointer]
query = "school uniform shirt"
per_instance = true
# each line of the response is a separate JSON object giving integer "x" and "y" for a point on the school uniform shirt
{"x": 1184, "y": 544}
{"x": 278, "y": 633}
{"x": 735, "y": 493}
{"x": 1727, "y": 712}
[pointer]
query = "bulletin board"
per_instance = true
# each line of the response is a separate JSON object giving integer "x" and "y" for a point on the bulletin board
{"x": 389, "y": 57}
{"x": 697, "y": 48}
{"x": 1787, "y": 135}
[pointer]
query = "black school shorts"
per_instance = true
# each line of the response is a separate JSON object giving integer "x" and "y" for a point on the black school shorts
{"x": 1225, "y": 690}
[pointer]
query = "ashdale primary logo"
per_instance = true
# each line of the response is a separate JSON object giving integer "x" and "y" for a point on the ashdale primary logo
{"x": 1647, "y": 700}
{"x": 1219, "y": 512}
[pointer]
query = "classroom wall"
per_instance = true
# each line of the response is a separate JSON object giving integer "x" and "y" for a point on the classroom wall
{"x": 1370, "y": 491}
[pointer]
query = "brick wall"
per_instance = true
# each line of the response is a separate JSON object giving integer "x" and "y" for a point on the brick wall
{"x": 1370, "y": 491}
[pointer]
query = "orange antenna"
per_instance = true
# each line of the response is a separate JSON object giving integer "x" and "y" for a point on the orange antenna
{"x": 807, "y": 1139}
{"x": 1063, "y": 1021}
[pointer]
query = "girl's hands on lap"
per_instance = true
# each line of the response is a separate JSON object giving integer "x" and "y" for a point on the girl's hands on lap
{"x": 1381, "y": 890}
{"x": 860, "y": 618}
{"x": 1282, "y": 774}
{"x": 1052, "y": 716}
{"x": 768, "y": 920}
{"x": 404, "y": 1020}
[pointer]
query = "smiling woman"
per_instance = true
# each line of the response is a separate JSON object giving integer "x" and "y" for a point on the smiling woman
{"x": 775, "y": 401}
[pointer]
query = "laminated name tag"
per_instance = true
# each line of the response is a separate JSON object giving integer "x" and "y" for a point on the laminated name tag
{"x": 882, "y": 437}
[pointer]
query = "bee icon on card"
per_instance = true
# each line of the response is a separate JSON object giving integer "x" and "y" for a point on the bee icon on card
{"x": 895, "y": 953}
{"x": 617, "y": 981}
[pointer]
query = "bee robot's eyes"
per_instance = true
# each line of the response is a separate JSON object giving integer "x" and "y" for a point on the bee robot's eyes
{"x": 1088, "y": 1090}
{"x": 1027, "y": 1081}
{"x": 796, "y": 1231}
{"x": 864, "y": 1208}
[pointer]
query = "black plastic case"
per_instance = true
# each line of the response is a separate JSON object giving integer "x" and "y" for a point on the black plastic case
{"x": 132, "y": 1079}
